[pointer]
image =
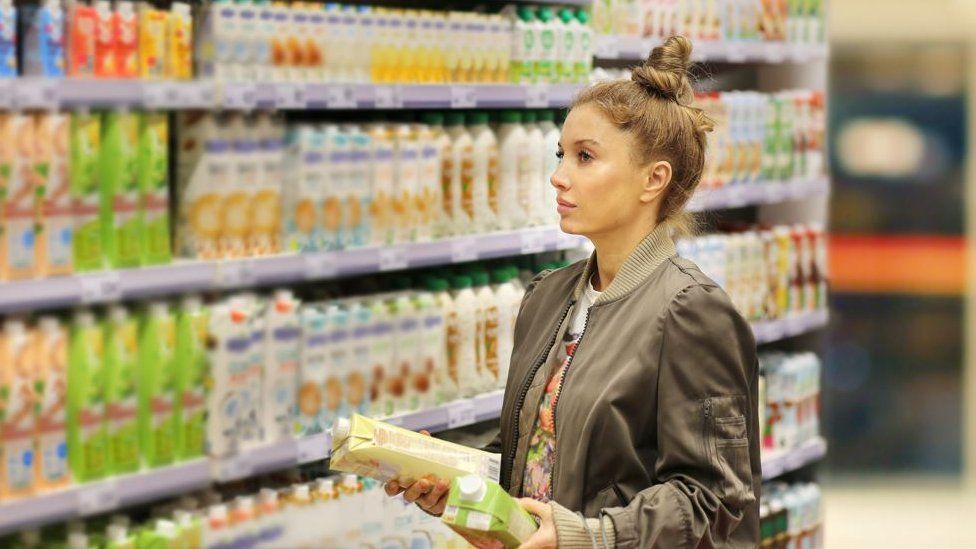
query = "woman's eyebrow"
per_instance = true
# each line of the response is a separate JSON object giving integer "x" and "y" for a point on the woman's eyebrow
{"x": 590, "y": 141}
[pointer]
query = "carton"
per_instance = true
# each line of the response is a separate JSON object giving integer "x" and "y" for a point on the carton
{"x": 55, "y": 239}
{"x": 88, "y": 247}
{"x": 52, "y": 389}
{"x": 20, "y": 200}
{"x": 485, "y": 515}
{"x": 314, "y": 365}
{"x": 105, "y": 62}
{"x": 82, "y": 24}
{"x": 157, "y": 386}
{"x": 385, "y": 452}
{"x": 126, "y": 29}
{"x": 264, "y": 237}
{"x": 121, "y": 215}
{"x": 122, "y": 406}
{"x": 304, "y": 184}
{"x": 152, "y": 42}
{"x": 8, "y": 39}
{"x": 87, "y": 435}
{"x": 229, "y": 356}
{"x": 18, "y": 420}
{"x": 43, "y": 48}
{"x": 179, "y": 59}
{"x": 238, "y": 200}
{"x": 153, "y": 174}
{"x": 191, "y": 374}
{"x": 283, "y": 349}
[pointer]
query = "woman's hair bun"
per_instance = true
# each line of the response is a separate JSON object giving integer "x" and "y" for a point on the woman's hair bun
{"x": 665, "y": 73}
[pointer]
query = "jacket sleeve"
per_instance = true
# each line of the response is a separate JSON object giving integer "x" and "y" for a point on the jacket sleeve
{"x": 707, "y": 472}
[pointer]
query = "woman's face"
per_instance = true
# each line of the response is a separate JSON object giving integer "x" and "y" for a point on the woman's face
{"x": 599, "y": 188}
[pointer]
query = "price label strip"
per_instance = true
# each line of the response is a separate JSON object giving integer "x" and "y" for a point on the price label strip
{"x": 537, "y": 96}
{"x": 460, "y": 414}
{"x": 314, "y": 448}
{"x": 240, "y": 96}
{"x": 35, "y": 94}
{"x": 389, "y": 97}
{"x": 319, "y": 266}
{"x": 160, "y": 95}
{"x": 98, "y": 498}
{"x": 533, "y": 242}
{"x": 464, "y": 250}
{"x": 463, "y": 97}
{"x": 235, "y": 274}
{"x": 235, "y": 467}
{"x": 393, "y": 259}
{"x": 100, "y": 287}
{"x": 290, "y": 96}
{"x": 340, "y": 97}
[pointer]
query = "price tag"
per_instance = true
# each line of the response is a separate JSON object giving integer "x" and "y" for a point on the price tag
{"x": 320, "y": 266}
{"x": 98, "y": 497}
{"x": 389, "y": 97}
{"x": 35, "y": 94}
{"x": 290, "y": 96}
{"x": 240, "y": 96}
{"x": 101, "y": 287}
{"x": 393, "y": 259}
{"x": 234, "y": 468}
{"x": 607, "y": 48}
{"x": 537, "y": 96}
{"x": 460, "y": 414}
{"x": 533, "y": 242}
{"x": 235, "y": 274}
{"x": 463, "y": 97}
{"x": 314, "y": 448}
{"x": 202, "y": 96}
{"x": 464, "y": 250}
{"x": 340, "y": 97}
{"x": 159, "y": 95}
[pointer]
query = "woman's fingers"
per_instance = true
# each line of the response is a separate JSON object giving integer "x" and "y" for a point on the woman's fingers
{"x": 392, "y": 488}
{"x": 417, "y": 489}
{"x": 425, "y": 432}
{"x": 429, "y": 501}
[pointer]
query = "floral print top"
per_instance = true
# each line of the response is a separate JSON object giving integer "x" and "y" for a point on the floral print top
{"x": 537, "y": 480}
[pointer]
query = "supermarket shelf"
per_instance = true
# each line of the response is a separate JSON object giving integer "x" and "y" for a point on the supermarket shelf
{"x": 768, "y": 331}
{"x": 103, "y": 496}
{"x": 634, "y": 48}
{"x": 767, "y": 192}
{"x": 46, "y": 93}
{"x": 197, "y": 276}
{"x": 780, "y": 463}
{"x": 124, "y": 491}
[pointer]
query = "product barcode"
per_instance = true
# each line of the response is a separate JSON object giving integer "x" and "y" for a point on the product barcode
{"x": 494, "y": 468}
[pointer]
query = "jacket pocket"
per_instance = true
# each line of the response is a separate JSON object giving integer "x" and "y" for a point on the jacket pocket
{"x": 608, "y": 497}
{"x": 728, "y": 436}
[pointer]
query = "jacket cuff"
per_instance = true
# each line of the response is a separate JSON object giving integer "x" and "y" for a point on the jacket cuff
{"x": 574, "y": 532}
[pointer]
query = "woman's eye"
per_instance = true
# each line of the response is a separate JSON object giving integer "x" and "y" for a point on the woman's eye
{"x": 585, "y": 156}
{"x": 560, "y": 154}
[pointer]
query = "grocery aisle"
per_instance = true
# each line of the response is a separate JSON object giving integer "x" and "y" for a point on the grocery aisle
{"x": 226, "y": 226}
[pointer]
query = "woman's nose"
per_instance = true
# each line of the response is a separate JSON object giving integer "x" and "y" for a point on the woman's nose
{"x": 558, "y": 178}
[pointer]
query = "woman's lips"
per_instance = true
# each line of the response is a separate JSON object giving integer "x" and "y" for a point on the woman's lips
{"x": 564, "y": 207}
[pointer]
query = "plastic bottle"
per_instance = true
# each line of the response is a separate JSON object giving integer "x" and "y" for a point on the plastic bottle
{"x": 509, "y": 295}
{"x": 407, "y": 183}
{"x": 525, "y": 47}
{"x": 439, "y": 144}
{"x": 87, "y": 436}
{"x": 483, "y": 205}
{"x": 428, "y": 196}
{"x": 359, "y": 380}
{"x": 463, "y": 342}
{"x": 157, "y": 386}
{"x": 537, "y": 179}
{"x": 192, "y": 371}
{"x": 584, "y": 58}
{"x": 462, "y": 165}
{"x": 567, "y": 34}
{"x": 445, "y": 377}
{"x": 513, "y": 160}
{"x": 122, "y": 404}
{"x": 548, "y": 52}
{"x": 489, "y": 358}
{"x": 550, "y": 136}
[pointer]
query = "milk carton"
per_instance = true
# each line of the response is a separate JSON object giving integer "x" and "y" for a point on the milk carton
{"x": 484, "y": 514}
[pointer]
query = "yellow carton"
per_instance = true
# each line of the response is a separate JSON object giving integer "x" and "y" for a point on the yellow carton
{"x": 378, "y": 450}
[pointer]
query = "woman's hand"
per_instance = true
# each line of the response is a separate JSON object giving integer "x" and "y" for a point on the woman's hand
{"x": 545, "y": 536}
{"x": 429, "y": 493}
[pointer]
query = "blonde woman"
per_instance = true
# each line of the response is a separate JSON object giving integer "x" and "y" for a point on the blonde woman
{"x": 630, "y": 413}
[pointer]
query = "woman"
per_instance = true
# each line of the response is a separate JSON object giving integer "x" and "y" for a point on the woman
{"x": 632, "y": 395}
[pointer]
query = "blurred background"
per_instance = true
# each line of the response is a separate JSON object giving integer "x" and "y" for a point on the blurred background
{"x": 899, "y": 393}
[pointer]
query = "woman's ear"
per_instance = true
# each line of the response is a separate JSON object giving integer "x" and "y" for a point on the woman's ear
{"x": 657, "y": 180}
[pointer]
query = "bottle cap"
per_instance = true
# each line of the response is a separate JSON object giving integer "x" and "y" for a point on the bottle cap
{"x": 341, "y": 429}
{"x": 461, "y": 282}
{"x": 472, "y": 488}
{"x": 511, "y": 117}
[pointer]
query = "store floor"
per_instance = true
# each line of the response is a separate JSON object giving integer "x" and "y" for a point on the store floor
{"x": 899, "y": 513}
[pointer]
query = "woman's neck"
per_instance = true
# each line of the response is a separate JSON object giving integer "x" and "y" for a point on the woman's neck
{"x": 612, "y": 250}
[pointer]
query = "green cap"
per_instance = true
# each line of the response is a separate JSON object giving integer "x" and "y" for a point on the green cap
{"x": 525, "y": 13}
{"x": 437, "y": 285}
{"x": 582, "y": 17}
{"x": 480, "y": 278}
{"x": 546, "y": 115}
{"x": 544, "y": 14}
{"x": 566, "y": 15}
{"x": 529, "y": 117}
{"x": 501, "y": 276}
{"x": 454, "y": 118}
{"x": 461, "y": 282}
{"x": 433, "y": 118}
{"x": 511, "y": 117}
{"x": 477, "y": 117}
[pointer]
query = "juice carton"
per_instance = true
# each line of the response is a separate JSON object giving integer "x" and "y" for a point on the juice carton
{"x": 43, "y": 30}
{"x": 126, "y": 29}
{"x": 164, "y": 534}
{"x": 283, "y": 350}
{"x": 245, "y": 37}
{"x": 315, "y": 356}
{"x": 358, "y": 382}
{"x": 229, "y": 344}
{"x": 122, "y": 219}
{"x": 360, "y": 196}
{"x": 122, "y": 403}
{"x": 381, "y": 212}
{"x": 152, "y": 42}
{"x": 217, "y": 39}
{"x": 485, "y": 515}
{"x": 20, "y": 204}
{"x": 192, "y": 327}
{"x": 106, "y": 65}
{"x": 18, "y": 421}
{"x": 7, "y": 155}
{"x": 388, "y": 386}
{"x": 239, "y": 198}
{"x": 52, "y": 389}
{"x": 179, "y": 60}
{"x": 339, "y": 361}
{"x": 56, "y": 216}
{"x": 82, "y": 28}
{"x": 249, "y": 430}
{"x": 407, "y": 336}
{"x": 157, "y": 386}
{"x": 88, "y": 248}
{"x": 153, "y": 175}
{"x": 378, "y": 450}
{"x": 303, "y": 187}
{"x": 8, "y": 39}
{"x": 265, "y": 231}
{"x": 87, "y": 435}
{"x": 203, "y": 179}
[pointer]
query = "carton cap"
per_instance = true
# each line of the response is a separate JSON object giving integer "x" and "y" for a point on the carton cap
{"x": 472, "y": 488}
{"x": 166, "y": 528}
{"x": 77, "y": 540}
{"x": 341, "y": 429}
{"x": 218, "y": 513}
{"x": 301, "y": 491}
{"x": 183, "y": 518}
{"x": 350, "y": 479}
{"x": 116, "y": 533}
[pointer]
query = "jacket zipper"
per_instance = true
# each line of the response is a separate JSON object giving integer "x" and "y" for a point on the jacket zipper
{"x": 559, "y": 394}
{"x": 520, "y": 402}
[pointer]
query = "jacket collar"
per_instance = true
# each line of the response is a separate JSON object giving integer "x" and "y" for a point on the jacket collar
{"x": 656, "y": 248}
